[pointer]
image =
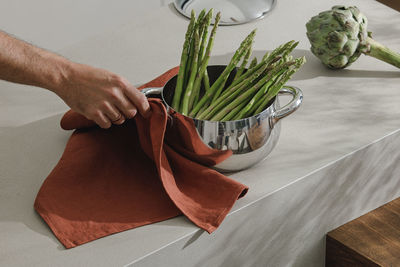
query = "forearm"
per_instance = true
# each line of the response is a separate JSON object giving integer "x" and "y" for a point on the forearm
{"x": 98, "y": 94}
{"x": 21, "y": 62}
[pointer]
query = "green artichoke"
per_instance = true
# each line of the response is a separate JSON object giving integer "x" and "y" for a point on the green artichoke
{"x": 339, "y": 36}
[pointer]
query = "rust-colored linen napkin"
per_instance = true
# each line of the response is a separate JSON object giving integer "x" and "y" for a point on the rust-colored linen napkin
{"x": 138, "y": 173}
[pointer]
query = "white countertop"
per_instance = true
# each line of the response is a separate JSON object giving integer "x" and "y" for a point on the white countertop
{"x": 343, "y": 112}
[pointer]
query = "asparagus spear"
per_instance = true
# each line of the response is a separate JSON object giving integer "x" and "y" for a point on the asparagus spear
{"x": 204, "y": 62}
{"x": 206, "y": 80}
{"x": 279, "y": 84}
{"x": 197, "y": 25}
{"x": 235, "y": 111}
{"x": 204, "y": 34}
{"x": 206, "y": 84}
{"x": 250, "y": 71}
{"x": 243, "y": 113}
{"x": 253, "y": 108}
{"x": 216, "y": 85}
{"x": 250, "y": 91}
{"x": 279, "y": 50}
{"x": 253, "y": 63}
{"x": 182, "y": 68}
{"x": 215, "y": 107}
{"x": 248, "y": 41}
{"x": 290, "y": 48}
{"x": 189, "y": 88}
{"x": 268, "y": 58}
{"x": 229, "y": 95}
{"x": 203, "y": 29}
{"x": 189, "y": 61}
{"x": 200, "y": 20}
{"x": 259, "y": 100}
{"x": 266, "y": 55}
{"x": 244, "y": 63}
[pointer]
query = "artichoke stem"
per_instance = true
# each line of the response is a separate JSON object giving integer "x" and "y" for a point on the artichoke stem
{"x": 383, "y": 53}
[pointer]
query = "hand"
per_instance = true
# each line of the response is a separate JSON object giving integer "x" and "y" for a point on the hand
{"x": 101, "y": 96}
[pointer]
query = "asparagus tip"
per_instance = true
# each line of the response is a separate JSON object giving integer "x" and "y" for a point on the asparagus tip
{"x": 210, "y": 13}
{"x": 301, "y": 61}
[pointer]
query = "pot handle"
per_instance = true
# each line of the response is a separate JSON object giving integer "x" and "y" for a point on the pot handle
{"x": 152, "y": 91}
{"x": 292, "y": 106}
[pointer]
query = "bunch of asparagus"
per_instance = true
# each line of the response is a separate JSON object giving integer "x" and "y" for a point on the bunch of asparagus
{"x": 252, "y": 88}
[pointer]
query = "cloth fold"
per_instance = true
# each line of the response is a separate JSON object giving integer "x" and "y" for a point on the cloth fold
{"x": 138, "y": 173}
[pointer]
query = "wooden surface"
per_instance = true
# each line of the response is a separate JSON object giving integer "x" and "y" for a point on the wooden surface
{"x": 395, "y": 4}
{"x": 370, "y": 240}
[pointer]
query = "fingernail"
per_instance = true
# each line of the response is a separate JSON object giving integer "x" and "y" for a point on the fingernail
{"x": 133, "y": 113}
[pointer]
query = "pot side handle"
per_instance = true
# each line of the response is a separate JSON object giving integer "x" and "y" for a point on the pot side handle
{"x": 152, "y": 91}
{"x": 292, "y": 106}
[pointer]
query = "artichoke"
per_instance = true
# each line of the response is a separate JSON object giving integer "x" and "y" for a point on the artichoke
{"x": 339, "y": 36}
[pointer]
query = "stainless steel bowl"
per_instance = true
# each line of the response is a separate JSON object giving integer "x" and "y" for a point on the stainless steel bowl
{"x": 251, "y": 139}
{"x": 233, "y": 11}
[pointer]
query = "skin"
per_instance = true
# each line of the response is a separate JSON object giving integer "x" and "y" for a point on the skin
{"x": 97, "y": 94}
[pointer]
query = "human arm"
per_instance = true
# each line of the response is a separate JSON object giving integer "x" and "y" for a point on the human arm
{"x": 98, "y": 94}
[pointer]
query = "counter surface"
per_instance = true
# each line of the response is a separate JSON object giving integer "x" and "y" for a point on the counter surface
{"x": 323, "y": 172}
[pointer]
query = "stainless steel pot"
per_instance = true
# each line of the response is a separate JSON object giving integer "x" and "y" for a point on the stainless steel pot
{"x": 251, "y": 139}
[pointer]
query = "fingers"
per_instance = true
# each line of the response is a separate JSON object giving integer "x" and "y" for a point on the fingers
{"x": 115, "y": 116}
{"x": 124, "y": 105}
{"x": 106, "y": 116}
{"x": 101, "y": 120}
{"x": 116, "y": 112}
{"x": 139, "y": 100}
{"x": 128, "y": 99}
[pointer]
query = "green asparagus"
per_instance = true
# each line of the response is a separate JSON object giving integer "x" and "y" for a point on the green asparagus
{"x": 182, "y": 68}
{"x": 252, "y": 88}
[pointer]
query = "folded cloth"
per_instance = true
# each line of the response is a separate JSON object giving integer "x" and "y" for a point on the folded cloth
{"x": 138, "y": 173}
